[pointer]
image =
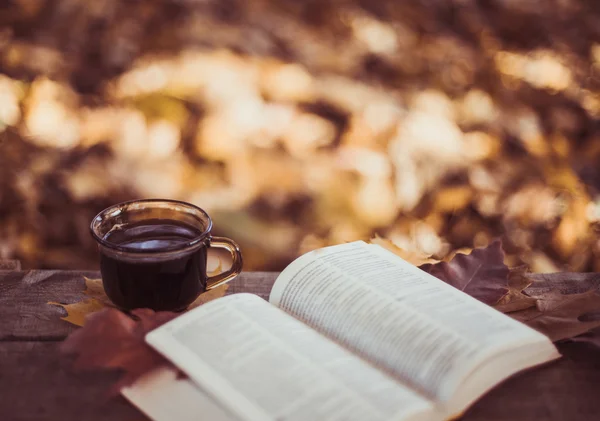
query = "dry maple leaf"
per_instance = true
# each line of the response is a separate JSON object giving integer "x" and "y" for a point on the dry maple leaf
{"x": 412, "y": 257}
{"x": 515, "y": 299}
{"x": 560, "y": 316}
{"x": 77, "y": 312}
{"x": 112, "y": 340}
{"x": 95, "y": 289}
{"x": 562, "y": 282}
{"x": 481, "y": 274}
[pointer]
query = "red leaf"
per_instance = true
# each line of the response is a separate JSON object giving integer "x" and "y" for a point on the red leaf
{"x": 481, "y": 274}
{"x": 112, "y": 340}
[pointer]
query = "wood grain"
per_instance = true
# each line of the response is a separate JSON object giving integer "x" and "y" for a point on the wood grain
{"x": 24, "y": 295}
{"x": 37, "y": 384}
{"x": 567, "y": 389}
{"x": 24, "y": 311}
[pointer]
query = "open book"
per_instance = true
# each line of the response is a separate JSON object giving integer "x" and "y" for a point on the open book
{"x": 350, "y": 332}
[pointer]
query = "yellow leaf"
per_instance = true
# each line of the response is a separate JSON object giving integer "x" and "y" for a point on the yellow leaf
{"x": 411, "y": 257}
{"x": 209, "y": 295}
{"x": 453, "y": 253}
{"x": 95, "y": 289}
{"x": 77, "y": 312}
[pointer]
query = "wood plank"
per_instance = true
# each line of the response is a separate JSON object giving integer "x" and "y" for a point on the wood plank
{"x": 567, "y": 389}
{"x": 38, "y": 385}
{"x": 24, "y": 295}
{"x": 259, "y": 283}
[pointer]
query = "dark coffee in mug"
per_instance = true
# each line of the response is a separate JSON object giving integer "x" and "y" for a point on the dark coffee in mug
{"x": 153, "y": 254}
{"x": 159, "y": 283}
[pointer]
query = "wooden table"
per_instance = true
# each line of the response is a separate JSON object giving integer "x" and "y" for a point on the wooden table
{"x": 36, "y": 383}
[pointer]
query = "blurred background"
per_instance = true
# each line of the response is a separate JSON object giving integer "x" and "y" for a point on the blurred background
{"x": 296, "y": 124}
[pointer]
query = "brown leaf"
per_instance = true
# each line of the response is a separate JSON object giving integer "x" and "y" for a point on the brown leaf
{"x": 515, "y": 299}
{"x": 481, "y": 274}
{"x": 112, "y": 340}
{"x": 560, "y": 316}
{"x": 412, "y": 257}
{"x": 77, "y": 312}
{"x": 149, "y": 319}
{"x": 209, "y": 295}
{"x": 563, "y": 282}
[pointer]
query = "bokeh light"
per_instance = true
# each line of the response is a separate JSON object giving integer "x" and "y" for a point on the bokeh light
{"x": 438, "y": 125}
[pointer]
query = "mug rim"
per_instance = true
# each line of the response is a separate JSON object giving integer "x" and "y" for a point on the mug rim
{"x": 124, "y": 249}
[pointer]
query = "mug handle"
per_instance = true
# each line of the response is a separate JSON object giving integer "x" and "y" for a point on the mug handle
{"x": 236, "y": 265}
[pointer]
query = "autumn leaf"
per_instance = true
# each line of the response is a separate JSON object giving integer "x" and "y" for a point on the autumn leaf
{"x": 515, "y": 299}
{"x": 95, "y": 289}
{"x": 561, "y": 316}
{"x": 412, "y": 257}
{"x": 112, "y": 340}
{"x": 481, "y": 274}
{"x": 453, "y": 253}
{"x": 563, "y": 282}
{"x": 565, "y": 304}
{"x": 77, "y": 312}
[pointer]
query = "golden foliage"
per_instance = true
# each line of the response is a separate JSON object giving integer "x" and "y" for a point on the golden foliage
{"x": 77, "y": 312}
{"x": 317, "y": 124}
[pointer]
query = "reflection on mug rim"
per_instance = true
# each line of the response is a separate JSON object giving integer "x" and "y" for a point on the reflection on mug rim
{"x": 114, "y": 210}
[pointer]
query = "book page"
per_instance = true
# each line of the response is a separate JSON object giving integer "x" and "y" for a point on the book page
{"x": 391, "y": 313}
{"x": 162, "y": 396}
{"x": 263, "y": 364}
